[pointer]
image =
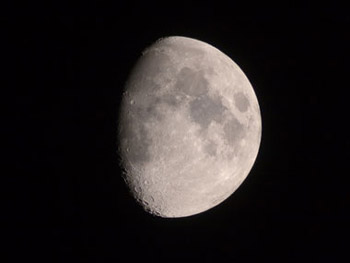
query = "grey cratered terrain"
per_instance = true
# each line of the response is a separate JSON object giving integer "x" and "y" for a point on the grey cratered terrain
{"x": 189, "y": 127}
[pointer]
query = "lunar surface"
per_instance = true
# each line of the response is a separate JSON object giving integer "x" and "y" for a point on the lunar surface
{"x": 189, "y": 127}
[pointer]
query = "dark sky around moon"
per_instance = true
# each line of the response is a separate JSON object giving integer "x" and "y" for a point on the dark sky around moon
{"x": 64, "y": 67}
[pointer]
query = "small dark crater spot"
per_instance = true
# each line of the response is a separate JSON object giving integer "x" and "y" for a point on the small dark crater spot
{"x": 241, "y": 102}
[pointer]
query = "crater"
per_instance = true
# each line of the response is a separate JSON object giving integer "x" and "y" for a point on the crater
{"x": 191, "y": 82}
{"x": 241, "y": 102}
{"x": 204, "y": 110}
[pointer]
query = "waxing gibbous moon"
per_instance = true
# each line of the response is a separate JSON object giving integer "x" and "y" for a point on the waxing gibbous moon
{"x": 189, "y": 127}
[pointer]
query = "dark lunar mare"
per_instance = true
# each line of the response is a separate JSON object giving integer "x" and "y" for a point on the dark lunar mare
{"x": 204, "y": 110}
{"x": 234, "y": 131}
{"x": 241, "y": 102}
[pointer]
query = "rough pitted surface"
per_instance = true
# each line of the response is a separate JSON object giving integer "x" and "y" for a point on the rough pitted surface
{"x": 189, "y": 129}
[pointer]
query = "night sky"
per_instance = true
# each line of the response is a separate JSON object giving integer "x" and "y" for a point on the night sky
{"x": 64, "y": 67}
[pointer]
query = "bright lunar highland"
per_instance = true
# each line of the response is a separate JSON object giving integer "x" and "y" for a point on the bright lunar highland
{"x": 189, "y": 127}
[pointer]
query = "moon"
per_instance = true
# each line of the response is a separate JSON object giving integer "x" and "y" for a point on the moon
{"x": 189, "y": 127}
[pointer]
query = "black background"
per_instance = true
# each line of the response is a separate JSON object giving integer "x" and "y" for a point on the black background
{"x": 64, "y": 66}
